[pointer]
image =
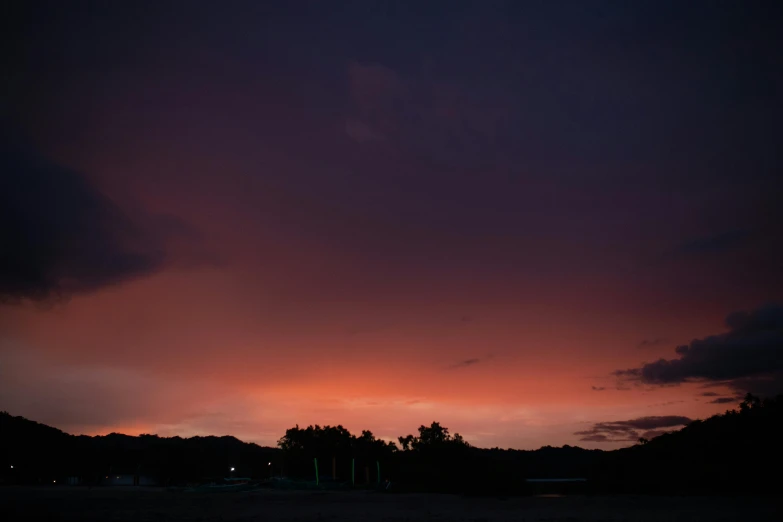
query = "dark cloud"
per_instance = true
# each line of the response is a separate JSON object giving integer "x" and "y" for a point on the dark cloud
{"x": 749, "y": 357}
{"x": 466, "y": 362}
{"x": 715, "y": 244}
{"x": 649, "y": 423}
{"x": 668, "y": 403}
{"x": 594, "y": 437}
{"x": 709, "y": 394}
{"x": 62, "y": 236}
{"x": 470, "y": 362}
{"x": 723, "y": 400}
{"x": 646, "y": 343}
{"x": 597, "y": 388}
{"x": 631, "y": 430}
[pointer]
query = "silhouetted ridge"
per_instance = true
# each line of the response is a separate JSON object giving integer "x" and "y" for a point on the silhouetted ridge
{"x": 41, "y": 454}
{"x": 726, "y": 453}
{"x": 733, "y": 452}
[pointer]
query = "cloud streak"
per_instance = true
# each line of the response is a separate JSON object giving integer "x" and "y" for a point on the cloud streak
{"x": 723, "y": 400}
{"x": 473, "y": 361}
{"x": 632, "y": 430}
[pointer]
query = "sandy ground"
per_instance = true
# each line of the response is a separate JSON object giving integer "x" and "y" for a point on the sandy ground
{"x": 139, "y": 504}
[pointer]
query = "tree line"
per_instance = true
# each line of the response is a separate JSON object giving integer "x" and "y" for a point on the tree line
{"x": 721, "y": 453}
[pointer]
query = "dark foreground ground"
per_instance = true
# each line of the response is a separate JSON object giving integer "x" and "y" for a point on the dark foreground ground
{"x": 136, "y": 504}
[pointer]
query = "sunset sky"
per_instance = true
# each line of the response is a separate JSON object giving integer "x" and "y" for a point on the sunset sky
{"x": 234, "y": 217}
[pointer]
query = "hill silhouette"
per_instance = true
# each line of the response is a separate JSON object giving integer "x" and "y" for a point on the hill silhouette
{"x": 733, "y": 451}
{"x": 721, "y": 454}
{"x": 41, "y": 454}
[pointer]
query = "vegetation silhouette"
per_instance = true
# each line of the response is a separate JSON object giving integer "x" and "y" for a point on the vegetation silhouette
{"x": 737, "y": 451}
{"x": 336, "y": 448}
{"x": 41, "y": 454}
{"x": 723, "y": 454}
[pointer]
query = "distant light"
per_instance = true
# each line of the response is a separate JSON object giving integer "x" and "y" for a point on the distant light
{"x": 12, "y": 467}
{"x": 118, "y": 477}
{"x": 54, "y": 482}
{"x": 107, "y": 476}
{"x": 269, "y": 464}
{"x": 232, "y": 469}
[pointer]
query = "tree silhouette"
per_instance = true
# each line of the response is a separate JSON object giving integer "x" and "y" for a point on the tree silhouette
{"x": 749, "y": 402}
{"x": 432, "y": 436}
{"x": 713, "y": 455}
{"x": 406, "y": 442}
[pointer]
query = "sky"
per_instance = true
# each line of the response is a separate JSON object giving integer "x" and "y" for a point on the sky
{"x": 536, "y": 222}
